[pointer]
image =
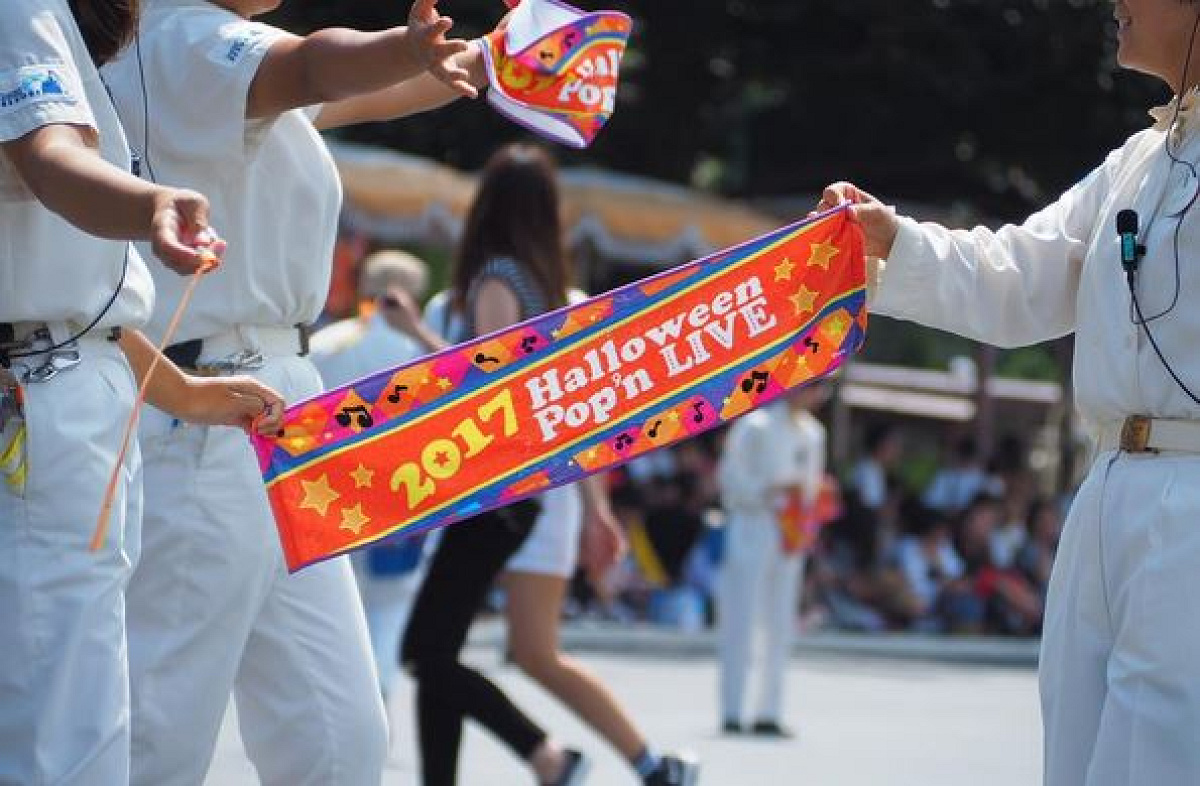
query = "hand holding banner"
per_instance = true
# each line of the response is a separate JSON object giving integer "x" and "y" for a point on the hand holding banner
{"x": 567, "y": 394}
{"x": 554, "y": 69}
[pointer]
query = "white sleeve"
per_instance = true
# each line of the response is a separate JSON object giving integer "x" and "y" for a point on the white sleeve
{"x": 912, "y": 563}
{"x": 201, "y": 63}
{"x": 1011, "y": 287}
{"x": 747, "y": 469}
{"x": 870, "y": 483}
{"x": 937, "y": 495}
{"x": 814, "y": 462}
{"x": 40, "y": 82}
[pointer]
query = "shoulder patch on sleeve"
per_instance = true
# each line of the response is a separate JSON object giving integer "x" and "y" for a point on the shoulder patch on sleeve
{"x": 34, "y": 84}
{"x": 236, "y": 44}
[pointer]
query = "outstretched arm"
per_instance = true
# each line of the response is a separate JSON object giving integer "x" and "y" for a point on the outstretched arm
{"x": 335, "y": 64}
{"x": 1012, "y": 286}
{"x": 59, "y": 163}
{"x": 419, "y": 94}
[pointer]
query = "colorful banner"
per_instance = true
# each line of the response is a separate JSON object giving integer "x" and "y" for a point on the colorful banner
{"x": 568, "y": 394}
{"x": 800, "y": 524}
{"x": 555, "y": 68}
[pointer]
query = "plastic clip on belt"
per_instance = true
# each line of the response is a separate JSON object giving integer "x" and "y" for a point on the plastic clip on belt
{"x": 13, "y": 461}
{"x": 36, "y": 352}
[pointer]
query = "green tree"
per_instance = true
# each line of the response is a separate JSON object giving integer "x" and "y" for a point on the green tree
{"x": 990, "y": 106}
{"x": 995, "y": 104}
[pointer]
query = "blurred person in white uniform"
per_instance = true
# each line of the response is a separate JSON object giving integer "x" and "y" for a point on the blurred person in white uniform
{"x": 769, "y": 455}
{"x": 218, "y": 102}
{"x": 1120, "y": 680}
{"x": 388, "y": 573}
{"x": 72, "y": 294}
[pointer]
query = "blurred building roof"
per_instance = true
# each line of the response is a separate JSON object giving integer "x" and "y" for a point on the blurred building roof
{"x": 401, "y": 198}
{"x": 939, "y": 395}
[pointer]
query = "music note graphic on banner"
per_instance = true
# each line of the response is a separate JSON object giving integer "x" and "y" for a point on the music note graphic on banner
{"x": 812, "y": 344}
{"x": 358, "y": 414}
{"x": 593, "y": 394}
{"x": 756, "y": 380}
{"x": 394, "y": 396}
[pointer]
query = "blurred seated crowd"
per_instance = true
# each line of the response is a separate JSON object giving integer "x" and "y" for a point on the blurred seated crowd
{"x": 969, "y": 553}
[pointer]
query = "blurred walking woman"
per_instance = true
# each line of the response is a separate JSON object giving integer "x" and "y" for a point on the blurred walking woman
{"x": 512, "y": 266}
{"x": 69, "y": 282}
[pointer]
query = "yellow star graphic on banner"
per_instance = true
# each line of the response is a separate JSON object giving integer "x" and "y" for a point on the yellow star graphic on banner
{"x": 353, "y": 519}
{"x": 444, "y": 383}
{"x": 363, "y": 477}
{"x": 318, "y": 495}
{"x": 803, "y": 300}
{"x": 783, "y": 271}
{"x": 822, "y": 254}
{"x": 837, "y": 327}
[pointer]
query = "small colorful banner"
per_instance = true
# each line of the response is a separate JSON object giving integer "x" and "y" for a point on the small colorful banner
{"x": 567, "y": 394}
{"x": 801, "y": 523}
{"x": 555, "y": 69}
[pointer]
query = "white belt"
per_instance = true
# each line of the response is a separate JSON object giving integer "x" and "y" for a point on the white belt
{"x": 58, "y": 332}
{"x": 1140, "y": 434}
{"x": 41, "y": 350}
{"x": 264, "y": 340}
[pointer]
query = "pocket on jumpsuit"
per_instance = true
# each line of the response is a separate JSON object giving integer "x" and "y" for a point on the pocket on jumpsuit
{"x": 14, "y": 443}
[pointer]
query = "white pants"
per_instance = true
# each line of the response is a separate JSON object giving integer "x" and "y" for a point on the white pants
{"x": 387, "y": 601}
{"x": 1120, "y": 662}
{"x": 212, "y": 608}
{"x": 64, "y": 690}
{"x": 758, "y": 592}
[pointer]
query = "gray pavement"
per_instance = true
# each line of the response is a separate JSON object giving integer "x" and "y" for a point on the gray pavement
{"x": 865, "y": 716}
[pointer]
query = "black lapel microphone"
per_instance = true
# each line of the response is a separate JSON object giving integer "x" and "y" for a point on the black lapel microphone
{"x": 1131, "y": 249}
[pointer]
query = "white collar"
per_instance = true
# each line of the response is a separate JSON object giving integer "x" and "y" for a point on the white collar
{"x": 1187, "y": 110}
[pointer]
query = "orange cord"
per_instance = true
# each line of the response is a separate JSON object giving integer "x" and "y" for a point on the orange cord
{"x": 101, "y": 531}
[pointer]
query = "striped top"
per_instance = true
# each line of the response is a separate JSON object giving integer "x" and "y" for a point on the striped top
{"x": 530, "y": 297}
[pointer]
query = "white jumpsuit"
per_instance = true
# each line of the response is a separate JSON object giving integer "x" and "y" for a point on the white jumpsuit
{"x": 64, "y": 705}
{"x": 211, "y": 605}
{"x": 759, "y": 589}
{"x": 1120, "y": 673}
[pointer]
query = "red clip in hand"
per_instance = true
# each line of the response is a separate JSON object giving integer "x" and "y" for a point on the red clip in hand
{"x": 210, "y": 247}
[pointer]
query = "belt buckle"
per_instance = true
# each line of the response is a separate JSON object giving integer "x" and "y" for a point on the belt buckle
{"x": 56, "y": 361}
{"x": 246, "y": 360}
{"x": 1135, "y": 434}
